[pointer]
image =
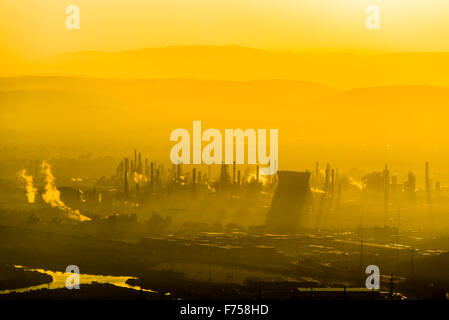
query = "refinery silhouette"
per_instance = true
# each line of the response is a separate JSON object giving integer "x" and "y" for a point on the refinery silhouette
{"x": 87, "y": 181}
{"x": 223, "y": 232}
{"x": 121, "y": 180}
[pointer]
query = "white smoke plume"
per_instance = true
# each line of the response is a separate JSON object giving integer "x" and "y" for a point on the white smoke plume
{"x": 138, "y": 178}
{"x": 355, "y": 183}
{"x": 52, "y": 196}
{"x": 31, "y": 190}
{"x": 317, "y": 190}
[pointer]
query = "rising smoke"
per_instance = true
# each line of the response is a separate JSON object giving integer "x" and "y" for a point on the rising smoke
{"x": 31, "y": 190}
{"x": 52, "y": 196}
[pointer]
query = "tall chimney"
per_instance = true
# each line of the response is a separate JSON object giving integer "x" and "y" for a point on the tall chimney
{"x": 411, "y": 185}
{"x": 328, "y": 168}
{"x": 386, "y": 190}
{"x": 126, "y": 183}
{"x": 428, "y": 184}
{"x": 139, "y": 163}
{"x": 151, "y": 173}
{"x": 147, "y": 173}
{"x": 332, "y": 180}
{"x": 126, "y": 164}
{"x": 238, "y": 177}
{"x": 257, "y": 173}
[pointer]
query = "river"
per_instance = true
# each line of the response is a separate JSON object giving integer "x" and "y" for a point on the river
{"x": 59, "y": 281}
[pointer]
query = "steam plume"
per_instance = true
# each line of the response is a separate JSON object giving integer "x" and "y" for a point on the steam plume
{"x": 31, "y": 190}
{"x": 317, "y": 190}
{"x": 354, "y": 182}
{"x": 52, "y": 195}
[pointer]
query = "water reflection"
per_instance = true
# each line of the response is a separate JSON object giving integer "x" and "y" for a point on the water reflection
{"x": 59, "y": 279}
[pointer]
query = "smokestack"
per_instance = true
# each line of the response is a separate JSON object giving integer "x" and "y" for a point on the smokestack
{"x": 194, "y": 175}
{"x": 125, "y": 176}
{"x": 317, "y": 174}
{"x": 238, "y": 177}
{"x": 428, "y": 184}
{"x": 332, "y": 180}
{"x": 328, "y": 169}
{"x": 233, "y": 174}
{"x": 147, "y": 172}
{"x": 257, "y": 173}
{"x": 225, "y": 177}
{"x": 386, "y": 189}
{"x": 411, "y": 186}
{"x": 428, "y": 195}
{"x": 179, "y": 172}
{"x": 126, "y": 164}
{"x": 139, "y": 163}
{"x": 394, "y": 188}
{"x": 151, "y": 173}
{"x": 135, "y": 156}
{"x": 126, "y": 182}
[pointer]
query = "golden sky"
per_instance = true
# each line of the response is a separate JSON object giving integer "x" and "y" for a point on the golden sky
{"x": 30, "y": 28}
{"x": 350, "y": 112}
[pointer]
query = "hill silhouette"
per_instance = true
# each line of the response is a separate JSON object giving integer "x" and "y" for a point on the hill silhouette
{"x": 340, "y": 70}
{"x": 314, "y": 120}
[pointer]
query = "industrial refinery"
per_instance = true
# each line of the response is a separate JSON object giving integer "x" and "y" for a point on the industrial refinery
{"x": 197, "y": 155}
{"x": 225, "y": 231}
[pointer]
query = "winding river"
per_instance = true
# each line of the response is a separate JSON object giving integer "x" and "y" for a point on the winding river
{"x": 59, "y": 279}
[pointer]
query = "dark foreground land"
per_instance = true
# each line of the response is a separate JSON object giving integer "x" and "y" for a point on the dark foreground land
{"x": 12, "y": 278}
{"x": 216, "y": 266}
{"x": 95, "y": 291}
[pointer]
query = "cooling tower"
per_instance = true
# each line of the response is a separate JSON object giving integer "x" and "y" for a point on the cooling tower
{"x": 291, "y": 202}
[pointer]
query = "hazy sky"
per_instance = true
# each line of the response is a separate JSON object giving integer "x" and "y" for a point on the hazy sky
{"x": 29, "y": 28}
{"x": 400, "y": 119}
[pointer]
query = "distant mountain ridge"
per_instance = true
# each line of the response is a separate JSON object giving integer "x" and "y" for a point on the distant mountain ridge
{"x": 235, "y": 63}
{"x": 404, "y": 125}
